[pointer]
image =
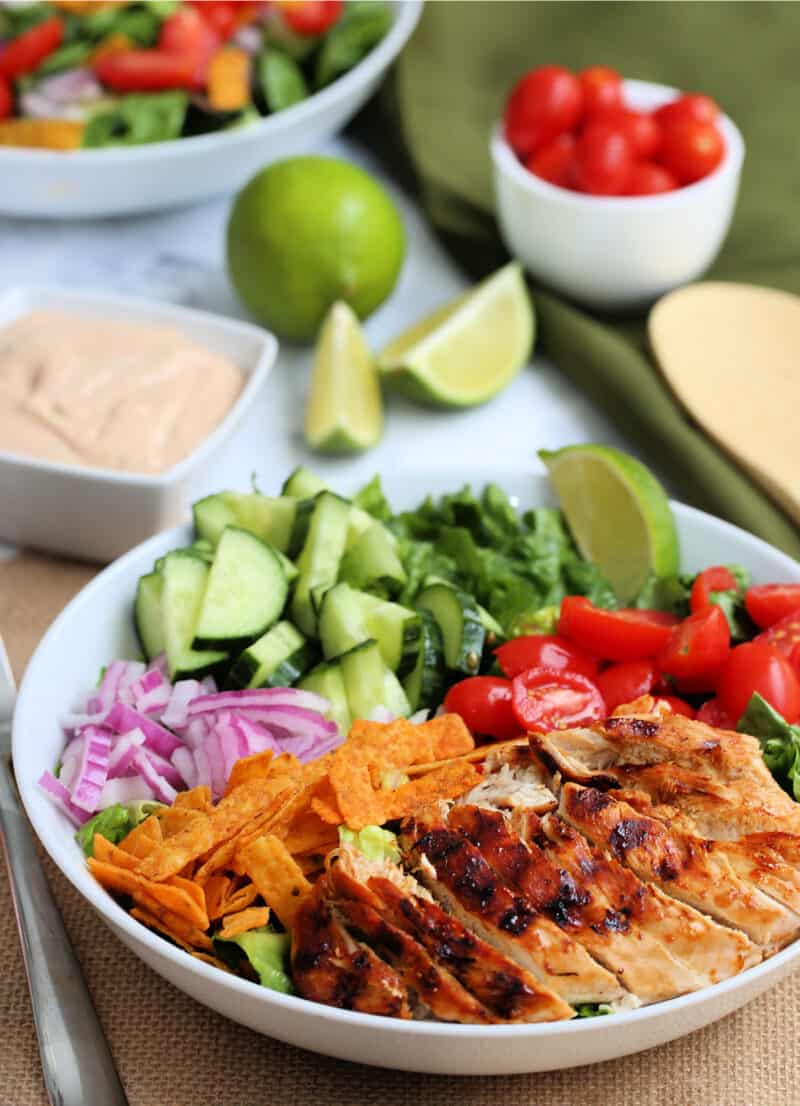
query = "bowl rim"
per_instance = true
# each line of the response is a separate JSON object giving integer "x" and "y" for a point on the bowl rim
{"x": 506, "y": 162}
{"x": 160, "y": 311}
{"x": 137, "y": 934}
{"x": 406, "y": 17}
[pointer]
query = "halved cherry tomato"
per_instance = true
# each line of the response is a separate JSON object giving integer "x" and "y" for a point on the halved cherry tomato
{"x": 693, "y": 105}
{"x": 602, "y": 89}
{"x": 543, "y": 104}
{"x": 697, "y": 648}
{"x": 604, "y": 159}
{"x": 642, "y": 129}
{"x": 555, "y": 162}
{"x": 27, "y": 52}
{"x": 543, "y": 699}
{"x": 769, "y": 603}
{"x": 310, "y": 17}
{"x": 145, "y": 70}
{"x": 756, "y": 666}
{"x": 716, "y": 578}
{"x": 784, "y": 635}
{"x": 220, "y": 15}
{"x": 714, "y": 714}
{"x": 484, "y": 702}
{"x": 186, "y": 34}
{"x": 649, "y": 179}
{"x": 691, "y": 149}
{"x": 626, "y": 681}
{"x": 543, "y": 651}
{"x": 625, "y": 635}
{"x": 6, "y": 98}
{"x": 676, "y": 705}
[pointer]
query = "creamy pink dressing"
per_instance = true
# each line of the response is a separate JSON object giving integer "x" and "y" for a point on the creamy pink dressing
{"x": 108, "y": 394}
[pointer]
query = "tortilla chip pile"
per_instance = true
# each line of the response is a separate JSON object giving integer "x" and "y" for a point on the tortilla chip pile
{"x": 195, "y": 871}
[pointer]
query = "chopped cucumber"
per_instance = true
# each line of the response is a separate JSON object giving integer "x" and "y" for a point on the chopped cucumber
{"x": 148, "y": 614}
{"x": 278, "y": 659}
{"x": 424, "y": 685}
{"x": 303, "y": 484}
{"x": 358, "y": 523}
{"x": 269, "y": 518}
{"x": 348, "y": 617}
{"x": 372, "y": 563}
{"x": 369, "y": 683}
{"x": 318, "y": 564}
{"x": 459, "y": 619}
{"x": 246, "y": 591}
{"x": 290, "y": 569}
{"x": 185, "y": 580}
{"x": 326, "y": 680}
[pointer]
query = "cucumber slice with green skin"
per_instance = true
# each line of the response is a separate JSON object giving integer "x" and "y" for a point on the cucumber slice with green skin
{"x": 246, "y": 591}
{"x": 358, "y": 523}
{"x": 211, "y": 515}
{"x": 203, "y": 548}
{"x": 278, "y": 659}
{"x": 303, "y": 484}
{"x": 327, "y": 680}
{"x": 302, "y": 521}
{"x": 372, "y": 563}
{"x": 424, "y": 685}
{"x": 269, "y": 518}
{"x": 148, "y": 614}
{"x": 185, "y": 580}
{"x": 290, "y": 569}
{"x": 459, "y": 619}
{"x": 348, "y": 617}
{"x": 369, "y": 683}
{"x": 318, "y": 564}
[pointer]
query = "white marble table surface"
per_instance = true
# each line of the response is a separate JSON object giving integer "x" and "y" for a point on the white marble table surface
{"x": 179, "y": 256}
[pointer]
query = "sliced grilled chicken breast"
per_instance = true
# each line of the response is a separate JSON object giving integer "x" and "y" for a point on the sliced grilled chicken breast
{"x": 687, "y": 867}
{"x": 462, "y": 880}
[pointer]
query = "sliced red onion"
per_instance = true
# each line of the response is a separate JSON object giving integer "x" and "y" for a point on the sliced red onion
{"x": 61, "y": 797}
{"x": 151, "y": 692}
{"x": 209, "y": 685}
{"x": 177, "y": 713}
{"x": 259, "y": 697}
{"x": 120, "y": 763}
{"x": 203, "y": 767}
{"x": 249, "y": 39}
{"x": 122, "y": 719}
{"x": 197, "y": 730}
{"x": 290, "y": 722}
{"x": 381, "y": 714}
{"x": 164, "y": 768}
{"x": 161, "y": 788}
{"x": 159, "y": 664}
{"x": 183, "y": 759}
{"x": 133, "y": 789}
{"x": 216, "y": 764}
{"x": 419, "y": 716}
{"x": 93, "y": 772}
{"x": 72, "y": 86}
{"x": 255, "y": 737}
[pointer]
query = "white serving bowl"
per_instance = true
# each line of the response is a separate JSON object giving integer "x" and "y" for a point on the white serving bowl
{"x": 123, "y": 180}
{"x": 613, "y": 252}
{"x": 97, "y": 514}
{"x": 96, "y": 626}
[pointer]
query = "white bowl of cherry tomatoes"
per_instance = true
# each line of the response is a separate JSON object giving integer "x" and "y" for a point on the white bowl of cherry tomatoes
{"x": 613, "y": 191}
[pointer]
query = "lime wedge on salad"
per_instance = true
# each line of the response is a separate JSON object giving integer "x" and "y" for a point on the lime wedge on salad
{"x": 344, "y": 412}
{"x": 466, "y": 352}
{"x": 618, "y": 512}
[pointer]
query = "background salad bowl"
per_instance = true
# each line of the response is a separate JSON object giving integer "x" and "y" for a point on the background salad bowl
{"x": 125, "y": 180}
{"x": 97, "y": 625}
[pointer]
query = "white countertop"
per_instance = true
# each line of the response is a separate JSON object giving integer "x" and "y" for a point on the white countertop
{"x": 179, "y": 256}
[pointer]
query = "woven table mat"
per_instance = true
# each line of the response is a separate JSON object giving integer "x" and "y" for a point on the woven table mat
{"x": 170, "y": 1051}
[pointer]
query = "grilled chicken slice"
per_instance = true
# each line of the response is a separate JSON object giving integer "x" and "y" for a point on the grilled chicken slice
{"x": 687, "y": 867}
{"x": 513, "y": 778}
{"x": 329, "y": 966}
{"x": 641, "y": 963}
{"x": 462, "y": 880}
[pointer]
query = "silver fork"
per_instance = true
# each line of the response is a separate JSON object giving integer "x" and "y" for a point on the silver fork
{"x": 76, "y": 1060}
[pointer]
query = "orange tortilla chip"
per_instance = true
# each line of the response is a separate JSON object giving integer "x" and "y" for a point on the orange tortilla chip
{"x": 216, "y": 890}
{"x": 214, "y": 961}
{"x": 448, "y": 782}
{"x": 198, "y": 798}
{"x": 253, "y": 918}
{"x": 277, "y": 876}
{"x": 255, "y": 767}
{"x": 240, "y": 899}
{"x": 310, "y": 833}
{"x": 142, "y": 840}
{"x": 326, "y": 812}
{"x": 107, "y": 853}
{"x": 449, "y": 736}
{"x": 187, "y": 939}
{"x": 173, "y": 819}
{"x": 352, "y": 785}
{"x": 400, "y": 743}
{"x": 171, "y": 897}
{"x": 223, "y": 856}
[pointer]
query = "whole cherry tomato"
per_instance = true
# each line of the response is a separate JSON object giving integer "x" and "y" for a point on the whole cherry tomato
{"x": 186, "y": 34}
{"x": 626, "y": 681}
{"x": 543, "y": 104}
{"x": 221, "y": 15}
{"x": 691, "y": 149}
{"x": 145, "y": 70}
{"x": 649, "y": 179}
{"x": 602, "y": 89}
{"x": 676, "y": 705}
{"x": 543, "y": 699}
{"x": 625, "y": 635}
{"x": 714, "y": 714}
{"x": 543, "y": 651}
{"x": 769, "y": 603}
{"x": 692, "y": 105}
{"x": 310, "y": 17}
{"x": 27, "y": 51}
{"x": 484, "y": 702}
{"x": 555, "y": 162}
{"x": 641, "y": 128}
{"x": 756, "y": 666}
{"x": 697, "y": 647}
{"x": 6, "y": 99}
{"x": 716, "y": 578}
{"x": 604, "y": 159}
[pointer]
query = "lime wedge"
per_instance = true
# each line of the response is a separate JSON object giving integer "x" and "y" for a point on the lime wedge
{"x": 466, "y": 352}
{"x": 618, "y": 512}
{"x": 344, "y": 412}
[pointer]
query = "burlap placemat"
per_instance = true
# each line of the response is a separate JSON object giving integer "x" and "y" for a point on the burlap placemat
{"x": 173, "y": 1052}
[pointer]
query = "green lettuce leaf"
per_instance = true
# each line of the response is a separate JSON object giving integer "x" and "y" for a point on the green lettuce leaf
{"x": 362, "y": 26}
{"x": 373, "y": 841}
{"x": 137, "y": 119}
{"x": 267, "y": 953}
{"x": 592, "y": 1009}
{"x": 114, "y": 823}
{"x": 780, "y": 742}
{"x": 372, "y": 500}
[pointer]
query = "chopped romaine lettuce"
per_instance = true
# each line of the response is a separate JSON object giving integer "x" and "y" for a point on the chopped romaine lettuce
{"x": 592, "y": 1009}
{"x": 361, "y": 27}
{"x": 114, "y": 823}
{"x": 267, "y": 953}
{"x": 373, "y": 841}
{"x": 372, "y": 500}
{"x": 780, "y": 742}
{"x": 137, "y": 119}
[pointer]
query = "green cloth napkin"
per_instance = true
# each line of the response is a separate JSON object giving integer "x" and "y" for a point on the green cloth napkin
{"x": 450, "y": 86}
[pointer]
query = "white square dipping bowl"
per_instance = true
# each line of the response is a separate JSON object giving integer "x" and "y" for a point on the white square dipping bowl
{"x": 97, "y": 514}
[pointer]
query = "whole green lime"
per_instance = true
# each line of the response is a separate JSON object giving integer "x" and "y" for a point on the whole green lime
{"x": 306, "y": 232}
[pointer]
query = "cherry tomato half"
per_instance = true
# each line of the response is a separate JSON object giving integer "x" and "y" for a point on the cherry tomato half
{"x": 714, "y": 714}
{"x": 691, "y": 149}
{"x": 145, "y": 70}
{"x": 187, "y": 35}
{"x": 220, "y": 15}
{"x": 543, "y": 104}
{"x": 602, "y": 89}
{"x": 784, "y": 635}
{"x": 543, "y": 651}
{"x": 604, "y": 159}
{"x": 626, "y": 635}
{"x": 676, "y": 705}
{"x": 716, "y": 578}
{"x": 555, "y": 162}
{"x": 649, "y": 179}
{"x": 543, "y": 700}
{"x": 27, "y": 52}
{"x": 769, "y": 603}
{"x": 693, "y": 105}
{"x": 626, "y": 681}
{"x": 484, "y": 702}
{"x": 6, "y": 99}
{"x": 756, "y": 666}
{"x": 641, "y": 128}
{"x": 697, "y": 648}
{"x": 310, "y": 17}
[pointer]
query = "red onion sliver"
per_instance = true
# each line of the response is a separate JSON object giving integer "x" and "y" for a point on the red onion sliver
{"x": 61, "y": 797}
{"x": 122, "y": 719}
{"x": 88, "y": 786}
{"x": 184, "y": 761}
{"x": 259, "y": 698}
{"x": 122, "y": 752}
{"x": 163, "y": 791}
